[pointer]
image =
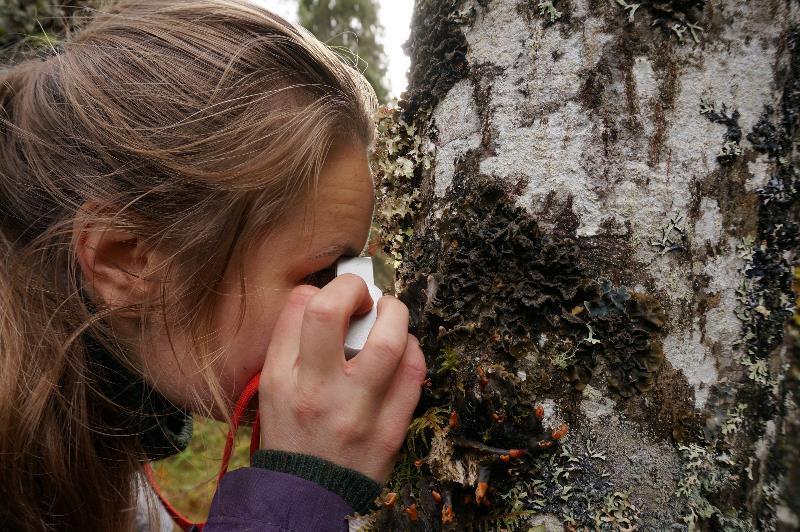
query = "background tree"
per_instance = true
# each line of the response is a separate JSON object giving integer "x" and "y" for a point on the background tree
{"x": 593, "y": 209}
{"x": 354, "y": 25}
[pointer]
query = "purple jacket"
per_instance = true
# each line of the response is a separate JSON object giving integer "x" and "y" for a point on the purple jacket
{"x": 258, "y": 499}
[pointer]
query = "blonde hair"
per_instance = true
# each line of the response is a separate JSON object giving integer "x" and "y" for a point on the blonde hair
{"x": 195, "y": 124}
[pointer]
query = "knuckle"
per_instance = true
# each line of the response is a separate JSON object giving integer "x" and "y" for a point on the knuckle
{"x": 399, "y": 307}
{"x": 385, "y": 349}
{"x": 352, "y": 278}
{"x": 306, "y": 408}
{"x": 414, "y": 367}
{"x": 349, "y": 428}
{"x": 321, "y": 308}
{"x": 302, "y": 292}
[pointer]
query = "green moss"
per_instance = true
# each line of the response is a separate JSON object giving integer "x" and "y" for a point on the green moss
{"x": 432, "y": 420}
{"x": 449, "y": 360}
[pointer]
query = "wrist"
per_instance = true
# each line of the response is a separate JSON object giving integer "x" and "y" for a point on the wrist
{"x": 353, "y": 486}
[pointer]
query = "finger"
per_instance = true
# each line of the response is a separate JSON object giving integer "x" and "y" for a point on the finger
{"x": 325, "y": 322}
{"x": 385, "y": 344}
{"x": 404, "y": 391}
{"x": 284, "y": 342}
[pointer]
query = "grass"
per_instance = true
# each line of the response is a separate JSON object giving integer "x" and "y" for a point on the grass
{"x": 189, "y": 479}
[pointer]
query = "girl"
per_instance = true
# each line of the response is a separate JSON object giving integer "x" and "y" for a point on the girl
{"x": 176, "y": 183}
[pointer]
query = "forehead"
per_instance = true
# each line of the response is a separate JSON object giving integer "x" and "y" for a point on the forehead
{"x": 339, "y": 210}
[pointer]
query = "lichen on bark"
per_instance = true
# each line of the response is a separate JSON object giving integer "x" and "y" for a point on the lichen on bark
{"x": 595, "y": 244}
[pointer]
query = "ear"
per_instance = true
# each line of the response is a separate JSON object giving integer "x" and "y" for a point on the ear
{"x": 113, "y": 261}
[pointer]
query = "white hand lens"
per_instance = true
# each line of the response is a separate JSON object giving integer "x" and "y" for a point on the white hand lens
{"x": 360, "y": 325}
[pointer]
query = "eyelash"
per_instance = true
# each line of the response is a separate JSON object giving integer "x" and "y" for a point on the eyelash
{"x": 325, "y": 275}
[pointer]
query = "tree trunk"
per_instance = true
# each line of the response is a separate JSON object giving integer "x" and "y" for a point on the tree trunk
{"x": 593, "y": 206}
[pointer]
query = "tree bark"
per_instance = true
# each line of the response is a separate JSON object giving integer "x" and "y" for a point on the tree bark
{"x": 593, "y": 209}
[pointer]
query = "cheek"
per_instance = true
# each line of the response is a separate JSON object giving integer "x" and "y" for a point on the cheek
{"x": 242, "y": 353}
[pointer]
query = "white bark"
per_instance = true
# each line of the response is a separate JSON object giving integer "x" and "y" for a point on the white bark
{"x": 606, "y": 113}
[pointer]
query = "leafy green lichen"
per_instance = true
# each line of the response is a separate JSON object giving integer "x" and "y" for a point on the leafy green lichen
{"x": 397, "y": 161}
{"x": 549, "y": 11}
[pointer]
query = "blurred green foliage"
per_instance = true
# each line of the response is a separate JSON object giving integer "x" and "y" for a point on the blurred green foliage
{"x": 189, "y": 479}
{"x": 350, "y": 25}
{"x": 353, "y": 25}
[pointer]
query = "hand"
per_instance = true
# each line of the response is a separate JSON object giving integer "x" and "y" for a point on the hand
{"x": 312, "y": 400}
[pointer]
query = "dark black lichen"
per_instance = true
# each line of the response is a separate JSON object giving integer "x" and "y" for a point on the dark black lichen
{"x": 731, "y": 148}
{"x": 500, "y": 279}
{"x": 438, "y": 51}
{"x": 504, "y": 284}
{"x": 771, "y": 281}
{"x": 766, "y": 392}
{"x": 626, "y": 330}
{"x": 765, "y": 135}
{"x": 666, "y": 11}
{"x": 494, "y": 298}
{"x": 672, "y": 16}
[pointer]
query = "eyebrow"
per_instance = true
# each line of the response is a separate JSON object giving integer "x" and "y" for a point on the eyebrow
{"x": 335, "y": 250}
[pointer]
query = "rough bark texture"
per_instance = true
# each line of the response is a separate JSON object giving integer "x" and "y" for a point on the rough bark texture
{"x": 593, "y": 205}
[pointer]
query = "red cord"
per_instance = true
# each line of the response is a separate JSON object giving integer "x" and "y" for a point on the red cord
{"x": 179, "y": 519}
{"x": 241, "y": 405}
{"x": 255, "y": 436}
{"x": 249, "y": 391}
